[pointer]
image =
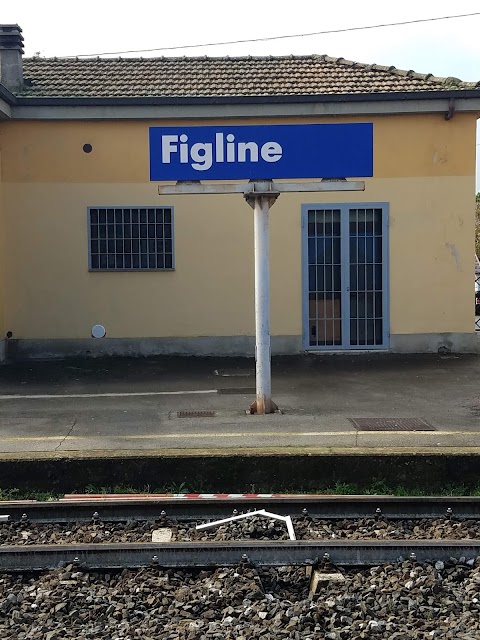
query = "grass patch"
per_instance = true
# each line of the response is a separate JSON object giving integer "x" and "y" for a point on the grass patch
{"x": 17, "y": 494}
{"x": 128, "y": 489}
{"x": 378, "y": 487}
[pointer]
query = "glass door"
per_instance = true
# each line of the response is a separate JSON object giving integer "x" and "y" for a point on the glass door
{"x": 345, "y": 263}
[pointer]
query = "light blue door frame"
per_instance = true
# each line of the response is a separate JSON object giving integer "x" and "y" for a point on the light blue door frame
{"x": 352, "y": 279}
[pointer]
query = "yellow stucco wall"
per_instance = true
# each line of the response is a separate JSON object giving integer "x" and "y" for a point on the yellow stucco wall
{"x": 424, "y": 167}
{"x": 411, "y": 145}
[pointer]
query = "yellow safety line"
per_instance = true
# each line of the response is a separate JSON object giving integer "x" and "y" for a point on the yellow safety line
{"x": 288, "y": 434}
{"x": 149, "y": 436}
{"x": 245, "y": 434}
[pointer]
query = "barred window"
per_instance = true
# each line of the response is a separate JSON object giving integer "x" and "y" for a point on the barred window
{"x": 130, "y": 239}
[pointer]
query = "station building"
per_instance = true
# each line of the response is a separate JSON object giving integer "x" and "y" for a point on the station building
{"x": 86, "y": 239}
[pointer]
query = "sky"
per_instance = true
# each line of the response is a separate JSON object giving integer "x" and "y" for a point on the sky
{"x": 444, "y": 48}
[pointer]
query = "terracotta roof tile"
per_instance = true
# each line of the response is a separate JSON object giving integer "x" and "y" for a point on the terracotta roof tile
{"x": 220, "y": 77}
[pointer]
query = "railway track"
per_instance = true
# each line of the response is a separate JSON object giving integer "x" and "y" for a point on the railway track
{"x": 168, "y": 509}
{"x": 188, "y": 555}
{"x": 210, "y": 508}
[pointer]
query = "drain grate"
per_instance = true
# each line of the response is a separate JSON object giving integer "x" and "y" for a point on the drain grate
{"x": 391, "y": 424}
{"x": 475, "y": 409}
{"x": 196, "y": 414}
{"x": 234, "y": 390}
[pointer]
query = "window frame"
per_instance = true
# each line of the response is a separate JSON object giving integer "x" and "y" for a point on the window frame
{"x": 131, "y": 269}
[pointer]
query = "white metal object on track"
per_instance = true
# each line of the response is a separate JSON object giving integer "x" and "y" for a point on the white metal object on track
{"x": 250, "y": 514}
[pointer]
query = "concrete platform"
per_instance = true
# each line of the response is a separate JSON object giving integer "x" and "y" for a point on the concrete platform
{"x": 131, "y": 405}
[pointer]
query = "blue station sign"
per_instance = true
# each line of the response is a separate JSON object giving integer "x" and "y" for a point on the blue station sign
{"x": 261, "y": 152}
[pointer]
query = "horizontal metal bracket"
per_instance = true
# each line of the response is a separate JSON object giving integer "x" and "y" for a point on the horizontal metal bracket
{"x": 260, "y": 187}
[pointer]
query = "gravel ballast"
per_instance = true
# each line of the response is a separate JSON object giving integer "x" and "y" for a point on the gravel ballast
{"x": 394, "y": 602}
{"x": 27, "y": 533}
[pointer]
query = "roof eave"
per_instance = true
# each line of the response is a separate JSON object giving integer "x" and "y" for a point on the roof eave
{"x": 7, "y": 95}
{"x": 225, "y": 100}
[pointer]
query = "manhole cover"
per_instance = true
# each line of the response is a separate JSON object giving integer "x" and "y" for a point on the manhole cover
{"x": 196, "y": 414}
{"x": 239, "y": 390}
{"x": 391, "y": 424}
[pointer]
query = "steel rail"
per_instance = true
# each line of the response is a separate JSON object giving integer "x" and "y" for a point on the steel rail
{"x": 328, "y": 507}
{"x": 221, "y": 554}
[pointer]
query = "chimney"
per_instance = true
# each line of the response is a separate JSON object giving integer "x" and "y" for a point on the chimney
{"x": 11, "y": 49}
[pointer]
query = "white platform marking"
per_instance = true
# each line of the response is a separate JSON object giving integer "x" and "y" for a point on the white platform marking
{"x": 44, "y": 396}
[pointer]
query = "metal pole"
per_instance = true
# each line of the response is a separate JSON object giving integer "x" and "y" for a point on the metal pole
{"x": 261, "y": 195}
{"x": 262, "y": 305}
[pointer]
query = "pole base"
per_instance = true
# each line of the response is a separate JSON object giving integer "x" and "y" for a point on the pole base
{"x": 263, "y": 408}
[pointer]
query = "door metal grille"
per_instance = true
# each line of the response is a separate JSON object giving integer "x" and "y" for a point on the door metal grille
{"x": 324, "y": 277}
{"x": 366, "y": 286}
{"x": 345, "y": 262}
